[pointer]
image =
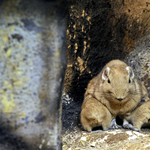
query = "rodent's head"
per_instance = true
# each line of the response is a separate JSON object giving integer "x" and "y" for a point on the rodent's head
{"x": 118, "y": 82}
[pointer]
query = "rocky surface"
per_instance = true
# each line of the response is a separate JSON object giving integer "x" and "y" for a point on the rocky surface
{"x": 139, "y": 60}
{"x": 106, "y": 140}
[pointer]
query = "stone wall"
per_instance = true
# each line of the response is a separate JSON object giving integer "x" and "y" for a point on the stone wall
{"x": 32, "y": 69}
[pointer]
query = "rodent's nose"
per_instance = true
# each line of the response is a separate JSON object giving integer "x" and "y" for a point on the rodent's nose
{"x": 119, "y": 99}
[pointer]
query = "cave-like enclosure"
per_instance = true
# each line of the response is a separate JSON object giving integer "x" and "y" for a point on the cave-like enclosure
{"x": 99, "y": 31}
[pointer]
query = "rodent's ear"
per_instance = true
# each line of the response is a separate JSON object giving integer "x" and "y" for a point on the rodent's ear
{"x": 130, "y": 71}
{"x": 105, "y": 74}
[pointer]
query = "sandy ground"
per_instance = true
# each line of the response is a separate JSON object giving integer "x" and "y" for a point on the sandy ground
{"x": 118, "y": 139}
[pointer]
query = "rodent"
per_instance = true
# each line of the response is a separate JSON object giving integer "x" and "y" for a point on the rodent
{"x": 117, "y": 89}
{"x": 140, "y": 117}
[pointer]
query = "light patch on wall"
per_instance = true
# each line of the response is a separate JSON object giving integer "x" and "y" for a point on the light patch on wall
{"x": 9, "y": 104}
{"x": 76, "y": 46}
{"x": 84, "y": 47}
{"x": 83, "y": 13}
{"x": 22, "y": 115}
{"x": 81, "y": 64}
{"x": 8, "y": 52}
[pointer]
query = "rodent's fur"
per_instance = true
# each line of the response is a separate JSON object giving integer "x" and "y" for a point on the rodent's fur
{"x": 99, "y": 116}
{"x": 117, "y": 89}
{"x": 140, "y": 116}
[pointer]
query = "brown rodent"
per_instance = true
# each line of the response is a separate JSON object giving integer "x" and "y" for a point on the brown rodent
{"x": 140, "y": 116}
{"x": 116, "y": 88}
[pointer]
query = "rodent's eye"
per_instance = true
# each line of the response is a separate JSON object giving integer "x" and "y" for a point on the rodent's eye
{"x": 129, "y": 81}
{"x": 109, "y": 92}
{"x": 108, "y": 81}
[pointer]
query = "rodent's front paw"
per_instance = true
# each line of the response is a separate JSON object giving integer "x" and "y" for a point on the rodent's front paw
{"x": 114, "y": 125}
{"x": 128, "y": 126}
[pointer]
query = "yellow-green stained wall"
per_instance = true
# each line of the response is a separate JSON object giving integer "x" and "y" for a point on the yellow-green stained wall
{"x": 32, "y": 36}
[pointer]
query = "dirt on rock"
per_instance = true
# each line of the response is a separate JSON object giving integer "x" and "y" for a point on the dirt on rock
{"x": 118, "y": 139}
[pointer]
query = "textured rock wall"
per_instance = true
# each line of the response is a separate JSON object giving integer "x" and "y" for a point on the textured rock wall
{"x": 32, "y": 68}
